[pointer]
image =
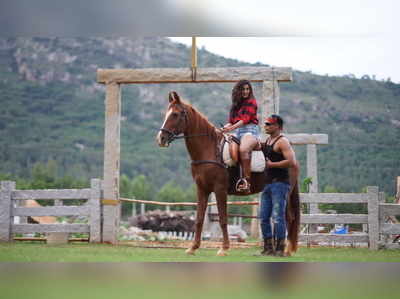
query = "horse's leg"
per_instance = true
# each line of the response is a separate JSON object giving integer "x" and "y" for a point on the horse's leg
{"x": 221, "y": 197}
{"x": 202, "y": 200}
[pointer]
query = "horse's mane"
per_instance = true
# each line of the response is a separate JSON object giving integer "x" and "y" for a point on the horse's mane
{"x": 202, "y": 118}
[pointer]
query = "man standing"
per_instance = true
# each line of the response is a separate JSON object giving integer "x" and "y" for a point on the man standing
{"x": 280, "y": 158}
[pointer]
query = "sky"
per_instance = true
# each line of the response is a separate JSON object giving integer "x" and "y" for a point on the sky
{"x": 335, "y": 56}
{"x": 324, "y": 37}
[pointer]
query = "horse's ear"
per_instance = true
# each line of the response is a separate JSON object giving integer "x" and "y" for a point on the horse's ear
{"x": 174, "y": 98}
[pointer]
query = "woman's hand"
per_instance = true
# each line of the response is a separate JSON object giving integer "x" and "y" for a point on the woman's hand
{"x": 226, "y": 128}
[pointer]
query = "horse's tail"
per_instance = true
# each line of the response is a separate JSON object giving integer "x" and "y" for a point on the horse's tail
{"x": 293, "y": 220}
{"x": 293, "y": 212}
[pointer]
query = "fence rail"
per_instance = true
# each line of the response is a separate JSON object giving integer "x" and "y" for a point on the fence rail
{"x": 51, "y": 194}
{"x": 51, "y": 228}
{"x": 52, "y": 211}
{"x": 334, "y": 198}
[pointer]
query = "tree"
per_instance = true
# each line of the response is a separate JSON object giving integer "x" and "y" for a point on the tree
{"x": 142, "y": 188}
{"x": 171, "y": 192}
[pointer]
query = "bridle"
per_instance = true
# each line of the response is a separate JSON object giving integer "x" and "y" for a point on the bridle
{"x": 173, "y": 135}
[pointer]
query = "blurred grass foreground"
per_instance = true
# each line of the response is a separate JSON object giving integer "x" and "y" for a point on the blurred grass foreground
{"x": 83, "y": 252}
{"x": 198, "y": 280}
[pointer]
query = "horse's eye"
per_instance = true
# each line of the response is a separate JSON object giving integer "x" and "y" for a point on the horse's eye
{"x": 174, "y": 115}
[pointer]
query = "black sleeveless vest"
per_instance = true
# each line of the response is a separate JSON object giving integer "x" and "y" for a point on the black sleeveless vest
{"x": 275, "y": 174}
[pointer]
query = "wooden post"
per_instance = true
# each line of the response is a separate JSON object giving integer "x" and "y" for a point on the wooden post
{"x": 312, "y": 172}
{"x": 111, "y": 211}
{"x": 312, "y": 169}
{"x": 134, "y": 210}
{"x": 95, "y": 211}
{"x": 270, "y": 98}
{"x": 214, "y": 227}
{"x": 398, "y": 190}
{"x": 373, "y": 217}
{"x": 142, "y": 209}
{"x": 382, "y": 237}
{"x": 5, "y": 210}
{"x": 255, "y": 223}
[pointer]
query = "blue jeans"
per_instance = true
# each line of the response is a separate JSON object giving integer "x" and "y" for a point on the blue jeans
{"x": 273, "y": 203}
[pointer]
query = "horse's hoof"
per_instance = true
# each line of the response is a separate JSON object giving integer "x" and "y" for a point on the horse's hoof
{"x": 222, "y": 252}
{"x": 190, "y": 251}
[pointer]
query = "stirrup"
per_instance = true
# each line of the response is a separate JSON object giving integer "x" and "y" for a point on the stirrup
{"x": 242, "y": 185}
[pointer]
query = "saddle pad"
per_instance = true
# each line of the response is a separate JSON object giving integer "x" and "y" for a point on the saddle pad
{"x": 257, "y": 159}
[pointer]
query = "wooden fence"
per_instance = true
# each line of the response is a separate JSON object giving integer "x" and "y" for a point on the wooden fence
{"x": 371, "y": 198}
{"x": 9, "y": 208}
{"x": 378, "y": 227}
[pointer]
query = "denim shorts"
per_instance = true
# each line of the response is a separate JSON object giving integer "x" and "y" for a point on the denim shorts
{"x": 252, "y": 129}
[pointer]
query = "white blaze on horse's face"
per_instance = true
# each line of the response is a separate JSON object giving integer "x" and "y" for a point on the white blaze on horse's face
{"x": 163, "y": 142}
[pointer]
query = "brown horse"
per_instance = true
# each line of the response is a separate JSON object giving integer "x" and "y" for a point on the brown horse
{"x": 203, "y": 142}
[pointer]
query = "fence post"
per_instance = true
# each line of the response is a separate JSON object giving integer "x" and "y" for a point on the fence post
{"x": 254, "y": 226}
{"x": 111, "y": 168}
{"x": 95, "y": 211}
{"x": 5, "y": 210}
{"x": 142, "y": 209}
{"x": 373, "y": 217}
{"x": 214, "y": 227}
{"x": 383, "y": 238}
{"x": 134, "y": 210}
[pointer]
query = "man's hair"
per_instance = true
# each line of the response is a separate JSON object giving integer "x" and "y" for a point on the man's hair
{"x": 279, "y": 120}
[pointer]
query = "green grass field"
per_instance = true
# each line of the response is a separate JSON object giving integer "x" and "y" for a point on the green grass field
{"x": 29, "y": 252}
{"x": 82, "y": 270}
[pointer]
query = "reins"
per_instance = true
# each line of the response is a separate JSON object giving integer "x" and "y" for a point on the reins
{"x": 179, "y": 136}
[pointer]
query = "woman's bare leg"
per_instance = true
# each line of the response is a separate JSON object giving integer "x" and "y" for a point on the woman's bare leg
{"x": 247, "y": 144}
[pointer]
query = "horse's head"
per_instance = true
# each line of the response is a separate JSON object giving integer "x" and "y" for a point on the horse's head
{"x": 175, "y": 121}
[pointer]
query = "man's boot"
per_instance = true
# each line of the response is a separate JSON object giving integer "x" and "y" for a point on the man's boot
{"x": 280, "y": 247}
{"x": 268, "y": 247}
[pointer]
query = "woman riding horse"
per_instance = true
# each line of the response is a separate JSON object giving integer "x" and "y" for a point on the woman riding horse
{"x": 243, "y": 123}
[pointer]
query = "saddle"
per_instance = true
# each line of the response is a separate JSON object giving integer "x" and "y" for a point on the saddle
{"x": 231, "y": 157}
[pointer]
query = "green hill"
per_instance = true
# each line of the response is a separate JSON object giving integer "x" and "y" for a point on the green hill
{"x": 53, "y": 109}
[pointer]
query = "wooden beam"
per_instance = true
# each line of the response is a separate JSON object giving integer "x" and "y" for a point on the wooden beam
{"x": 50, "y": 228}
{"x": 184, "y": 75}
{"x": 334, "y": 238}
{"x": 51, "y": 194}
{"x": 301, "y": 139}
{"x": 52, "y": 211}
{"x": 390, "y": 228}
{"x": 338, "y": 218}
{"x": 334, "y": 197}
{"x": 389, "y": 209}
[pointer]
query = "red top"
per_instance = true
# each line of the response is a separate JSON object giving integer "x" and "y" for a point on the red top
{"x": 247, "y": 113}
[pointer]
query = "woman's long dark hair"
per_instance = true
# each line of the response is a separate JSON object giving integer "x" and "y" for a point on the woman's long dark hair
{"x": 237, "y": 98}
